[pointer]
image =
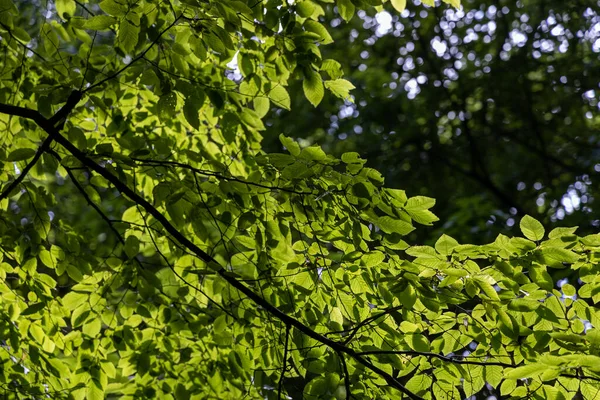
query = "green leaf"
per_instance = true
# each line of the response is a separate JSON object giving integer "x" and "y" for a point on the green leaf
{"x": 246, "y": 271}
{"x": 34, "y": 308}
{"x": 214, "y": 42}
{"x": 313, "y": 153}
{"x": 21, "y": 154}
{"x": 493, "y": 375}
{"x": 399, "y": 5}
{"x": 508, "y": 386}
{"x": 408, "y": 297}
{"x": 191, "y": 110}
{"x": 340, "y": 87}
{"x": 352, "y": 158}
{"x": 92, "y": 328}
{"x": 290, "y": 144}
{"x": 358, "y": 285}
{"x": 132, "y": 246}
{"x": 305, "y": 8}
{"x": 332, "y": 67}
{"x": 532, "y": 228}
{"x": 555, "y": 256}
{"x": 313, "y": 87}
{"x": 261, "y": 106}
{"x": 393, "y": 225}
{"x": 62, "y": 370}
{"x": 65, "y": 8}
{"x": 526, "y": 371}
{"x": 74, "y": 273}
{"x": 419, "y": 203}
{"x": 346, "y": 9}
{"x": 95, "y": 391}
{"x": 335, "y": 315}
{"x": 127, "y": 36}
{"x": 113, "y": 8}
{"x": 320, "y": 30}
{"x": 419, "y": 384}
{"x": 445, "y": 244}
{"x": 417, "y": 342}
{"x": 100, "y": 22}
{"x": 166, "y": 106}
{"x": 251, "y": 119}
{"x": 559, "y": 232}
{"x": 488, "y": 289}
{"x": 280, "y": 97}
{"x": 21, "y": 34}
{"x": 303, "y": 279}
{"x": 37, "y": 333}
{"x": 453, "y": 3}
{"x": 523, "y": 305}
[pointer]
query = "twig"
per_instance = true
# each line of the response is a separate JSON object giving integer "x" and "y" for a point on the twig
{"x": 215, "y": 174}
{"x": 435, "y": 355}
{"x": 346, "y": 375}
{"x": 285, "y": 352}
{"x": 140, "y": 56}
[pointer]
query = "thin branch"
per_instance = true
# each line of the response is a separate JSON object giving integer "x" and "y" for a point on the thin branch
{"x": 118, "y": 235}
{"x": 435, "y": 355}
{"x": 285, "y": 356}
{"x": 139, "y": 57}
{"x": 215, "y": 174}
{"x": 369, "y": 320}
{"x": 45, "y": 145}
{"x": 582, "y": 377}
{"x": 346, "y": 375}
{"x": 72, "y": 101}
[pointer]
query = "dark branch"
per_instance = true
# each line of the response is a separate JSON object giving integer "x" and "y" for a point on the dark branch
{"x": 346, "y": 375}
{"x": 71, "y": 103}
{"x": 126, "y": 190}
{"x": 435, "y": 355}
{"x": 285, "y": 355}
{"x": 62, "y": 114}
{"x": 283, "y": 317}
{"x": 215, "y": 174}
{"x": 21, "y": 112}
{"x": 45, "y": 145}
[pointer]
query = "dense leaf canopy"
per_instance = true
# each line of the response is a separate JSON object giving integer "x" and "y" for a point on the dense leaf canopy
{"x": 149, "y": 247}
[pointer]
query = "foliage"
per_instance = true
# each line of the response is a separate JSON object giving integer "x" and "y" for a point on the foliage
{"x": 150, "y": 248}
{"x": 492, "y": 110}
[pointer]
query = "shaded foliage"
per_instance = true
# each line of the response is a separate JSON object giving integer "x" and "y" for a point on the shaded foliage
{"x": 492, "y": 110}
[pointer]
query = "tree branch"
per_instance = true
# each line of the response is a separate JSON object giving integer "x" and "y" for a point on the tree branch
{"x": 215, "y": 174}
{"x": 21, "y": 112}
{"x": 435, "y": 355}
{"x": 61, "y": 114}
{"x": 346, "y": 375}
{"x": 45, "y": 145}
{"x": 285, "y": 355}
{"x": 283, "y": 317}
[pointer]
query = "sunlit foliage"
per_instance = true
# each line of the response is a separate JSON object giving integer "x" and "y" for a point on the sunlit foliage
{"x": 150, "y": 249}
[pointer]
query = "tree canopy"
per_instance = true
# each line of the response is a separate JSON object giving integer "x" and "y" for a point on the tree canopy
{"x": 150, "y": 248}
